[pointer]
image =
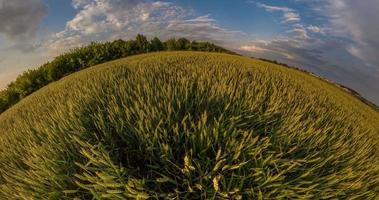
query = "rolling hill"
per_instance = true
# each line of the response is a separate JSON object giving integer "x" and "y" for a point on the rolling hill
{"x": 189, "y": 125}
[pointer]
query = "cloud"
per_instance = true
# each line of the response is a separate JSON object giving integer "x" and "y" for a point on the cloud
{"x": 289, "y": 14}
{"x": 253, "y": 48}
{"x": 79, "y": 3}
{"x": 273, "y": 8}
{"x": 315, "y": 29}
{"x": 328, "y": 58}
{"x": 299, "y": 31}
{"x": 291, "y": 17}
{"x": 356, "y": 20}
{"x": 352, "y": 25}
{"x": 199, "y": 28}
{"x": 343, "y": 48}
{"x": 97, "y": 20}
{"x": 100, "y": 20}
{"x": 20, "y": 19}
{"x": 289, "y": 50}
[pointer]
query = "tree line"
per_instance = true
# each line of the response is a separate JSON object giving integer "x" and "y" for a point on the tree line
{"x": 87, "y": 56}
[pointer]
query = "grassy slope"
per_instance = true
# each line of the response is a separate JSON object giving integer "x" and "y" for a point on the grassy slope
{"x": 315, "y": 119}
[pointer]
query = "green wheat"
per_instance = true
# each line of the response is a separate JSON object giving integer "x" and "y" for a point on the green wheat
{"x": 189, "y": 125}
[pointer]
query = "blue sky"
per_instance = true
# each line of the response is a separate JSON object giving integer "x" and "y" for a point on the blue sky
{"x": 336, "y": 39}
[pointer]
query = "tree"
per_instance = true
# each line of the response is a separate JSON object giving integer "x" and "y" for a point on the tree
{"x": 171, "y": 44}
{"x": 93, "y": 54}
{"x": 194, "y": 46}
{"x": 156, "y": 44}
{"x": 183, "y": 44}
{"x": 142, "y": 43}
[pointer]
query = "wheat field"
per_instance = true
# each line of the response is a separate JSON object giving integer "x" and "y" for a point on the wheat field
{"x": 189, "y": 125}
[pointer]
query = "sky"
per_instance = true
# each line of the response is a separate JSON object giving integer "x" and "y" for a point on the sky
{"x": 335, "y": 39}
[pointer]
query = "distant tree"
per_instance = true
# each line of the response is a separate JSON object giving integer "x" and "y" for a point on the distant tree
{"x": 11, "y": 96}
{"x": 133, "y": 47}
{"x": 156, "y": 44}
{"x": 171, "y": 44}
{"x": 117, "y": 48}
{"x": 93, "y": 54}
{"x": 3, "y": 100}
{"x": 183, "y": 44}
{"x": 142, "y": 43}
{"x": 194, "y": 45}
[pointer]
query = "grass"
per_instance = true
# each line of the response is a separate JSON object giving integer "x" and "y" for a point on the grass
{"x": 189, "y": 125}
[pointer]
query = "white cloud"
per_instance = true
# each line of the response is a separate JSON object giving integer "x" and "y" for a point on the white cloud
{"x": 289, "y": 14}
{"x": 315, "y": 29}
{"x": 274, "y": 8}
{"x": 253, "y": 48}
{"x": 100, "y": 20}
{"x": 291, "y": 17}
{"x": 103, "y": 20}
{"x": 299, "y": 31}
{"x": 79, "y": 3}
{"x": 344, "y": 50}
